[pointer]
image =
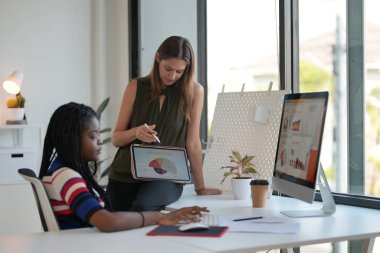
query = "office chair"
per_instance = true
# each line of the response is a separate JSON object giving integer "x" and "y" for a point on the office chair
{"x": 48, "y": 219}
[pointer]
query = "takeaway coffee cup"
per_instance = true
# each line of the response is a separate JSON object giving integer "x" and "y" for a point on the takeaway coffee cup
{"x": 259, "y": 190}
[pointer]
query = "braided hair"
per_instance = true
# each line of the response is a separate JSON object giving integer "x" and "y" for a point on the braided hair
{"x": 64, "y": 139}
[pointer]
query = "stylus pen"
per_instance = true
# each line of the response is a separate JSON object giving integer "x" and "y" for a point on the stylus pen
{"x": 155, "y": 136}
{"x": 251, "y": 218}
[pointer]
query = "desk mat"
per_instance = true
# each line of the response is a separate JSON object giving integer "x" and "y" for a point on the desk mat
{"x": 214, "y": 231}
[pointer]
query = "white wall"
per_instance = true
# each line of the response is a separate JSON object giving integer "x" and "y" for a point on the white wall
{"x": 50, "y": 41}
{"x": 109, "y": 54}
{"x": 109, "y": 61}
{"x": 69, "y": 50}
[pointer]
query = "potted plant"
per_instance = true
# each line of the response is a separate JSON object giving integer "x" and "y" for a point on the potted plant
{"x": 16, "y": 110}
{"x": 242, "y": 169}
{"x": 102, "y": 169}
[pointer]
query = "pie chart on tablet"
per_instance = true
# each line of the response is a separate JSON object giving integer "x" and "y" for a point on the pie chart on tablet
{"x": 162, "y": 166}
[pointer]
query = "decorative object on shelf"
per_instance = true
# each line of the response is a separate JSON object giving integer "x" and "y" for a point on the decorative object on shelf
{"x": 15, "y": 112}
{"x": 242, "y": 168}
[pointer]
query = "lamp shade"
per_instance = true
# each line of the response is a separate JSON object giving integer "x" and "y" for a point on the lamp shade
{"x": 13, "y": 83}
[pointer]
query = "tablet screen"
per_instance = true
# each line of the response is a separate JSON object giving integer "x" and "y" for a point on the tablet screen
{"x": 159, "y": 162}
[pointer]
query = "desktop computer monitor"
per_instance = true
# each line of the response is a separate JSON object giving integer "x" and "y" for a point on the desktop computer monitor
{"x": 297, "y": 169}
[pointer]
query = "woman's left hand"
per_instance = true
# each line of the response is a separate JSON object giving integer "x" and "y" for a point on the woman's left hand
{"x": 208, "y": 191}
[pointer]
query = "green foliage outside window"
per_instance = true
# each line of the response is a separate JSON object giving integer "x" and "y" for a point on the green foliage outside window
{"x": 314, "y": 79}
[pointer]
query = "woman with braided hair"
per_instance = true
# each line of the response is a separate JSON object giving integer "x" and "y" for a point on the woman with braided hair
{"x": 71, "y": 142}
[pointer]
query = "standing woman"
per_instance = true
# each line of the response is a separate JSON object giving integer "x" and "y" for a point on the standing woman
{"x": 167, "y": 103}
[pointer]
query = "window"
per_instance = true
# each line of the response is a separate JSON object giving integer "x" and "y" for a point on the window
{"x": 372, "y": 97}
{"x": 341, "y": 53}
{"x": 242, "y": 39}
{"x": 354, "y": 95}
{"x": 334, "y": 45}
{"x": 322, "y": 62}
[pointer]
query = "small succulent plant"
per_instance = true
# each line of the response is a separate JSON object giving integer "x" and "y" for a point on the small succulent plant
{"x": 17, "y": 102}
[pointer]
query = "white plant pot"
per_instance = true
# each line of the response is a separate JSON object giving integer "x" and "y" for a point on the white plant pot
{"x": 15, "y": 114}
{"x": 241, "y": 188}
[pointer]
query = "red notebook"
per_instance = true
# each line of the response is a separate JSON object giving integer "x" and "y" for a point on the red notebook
{"x": 214, "y": 231}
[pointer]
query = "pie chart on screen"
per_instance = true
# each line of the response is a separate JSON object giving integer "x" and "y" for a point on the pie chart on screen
{"x": 162, "y": 166}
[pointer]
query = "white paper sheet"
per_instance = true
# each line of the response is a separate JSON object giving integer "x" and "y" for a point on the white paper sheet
{"x": 267, "y": 224}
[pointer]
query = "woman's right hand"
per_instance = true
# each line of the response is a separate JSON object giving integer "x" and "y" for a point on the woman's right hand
{"x": 187, "y": 214}
{"x": 145, "y": 133}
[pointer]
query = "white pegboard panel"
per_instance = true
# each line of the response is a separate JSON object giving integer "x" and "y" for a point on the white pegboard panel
{"x": 249, "y": 123}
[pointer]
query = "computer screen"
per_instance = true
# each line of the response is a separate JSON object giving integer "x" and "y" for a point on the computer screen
{"x": 299, "y": 145}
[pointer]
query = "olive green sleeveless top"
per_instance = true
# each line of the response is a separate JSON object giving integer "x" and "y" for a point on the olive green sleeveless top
{"x": 171, "y": 126}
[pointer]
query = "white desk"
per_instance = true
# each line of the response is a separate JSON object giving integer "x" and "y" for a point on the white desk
{"x": 348, "y": 223}
{"x": 90, "y": 240}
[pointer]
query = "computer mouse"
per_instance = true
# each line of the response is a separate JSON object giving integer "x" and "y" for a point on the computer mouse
{"x": 193, "y": 227}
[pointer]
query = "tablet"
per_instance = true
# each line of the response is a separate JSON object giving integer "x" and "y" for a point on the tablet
{"x": 160, "y": 163}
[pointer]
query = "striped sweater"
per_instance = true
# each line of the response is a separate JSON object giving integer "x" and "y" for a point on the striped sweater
{"x": 72, "y": 202}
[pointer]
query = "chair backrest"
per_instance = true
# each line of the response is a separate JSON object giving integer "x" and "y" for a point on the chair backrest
{"x": 48, "y": 219}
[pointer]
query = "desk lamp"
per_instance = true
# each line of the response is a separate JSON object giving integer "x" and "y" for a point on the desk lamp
{"x": 16, "y": 110}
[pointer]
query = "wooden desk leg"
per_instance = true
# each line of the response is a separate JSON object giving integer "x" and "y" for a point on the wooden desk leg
{"x": 288, "y": 250}
{"x": 367, "y": 245}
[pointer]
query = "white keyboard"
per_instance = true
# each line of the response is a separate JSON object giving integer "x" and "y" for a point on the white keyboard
{"x": 210, "y": 219}
{"x": 207, "y": 218}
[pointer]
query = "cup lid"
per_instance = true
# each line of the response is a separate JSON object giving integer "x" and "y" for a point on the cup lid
{"x": 259, "y": 182}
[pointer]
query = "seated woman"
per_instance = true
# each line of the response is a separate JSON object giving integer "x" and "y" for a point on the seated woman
{"x": 71, "y": 142}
